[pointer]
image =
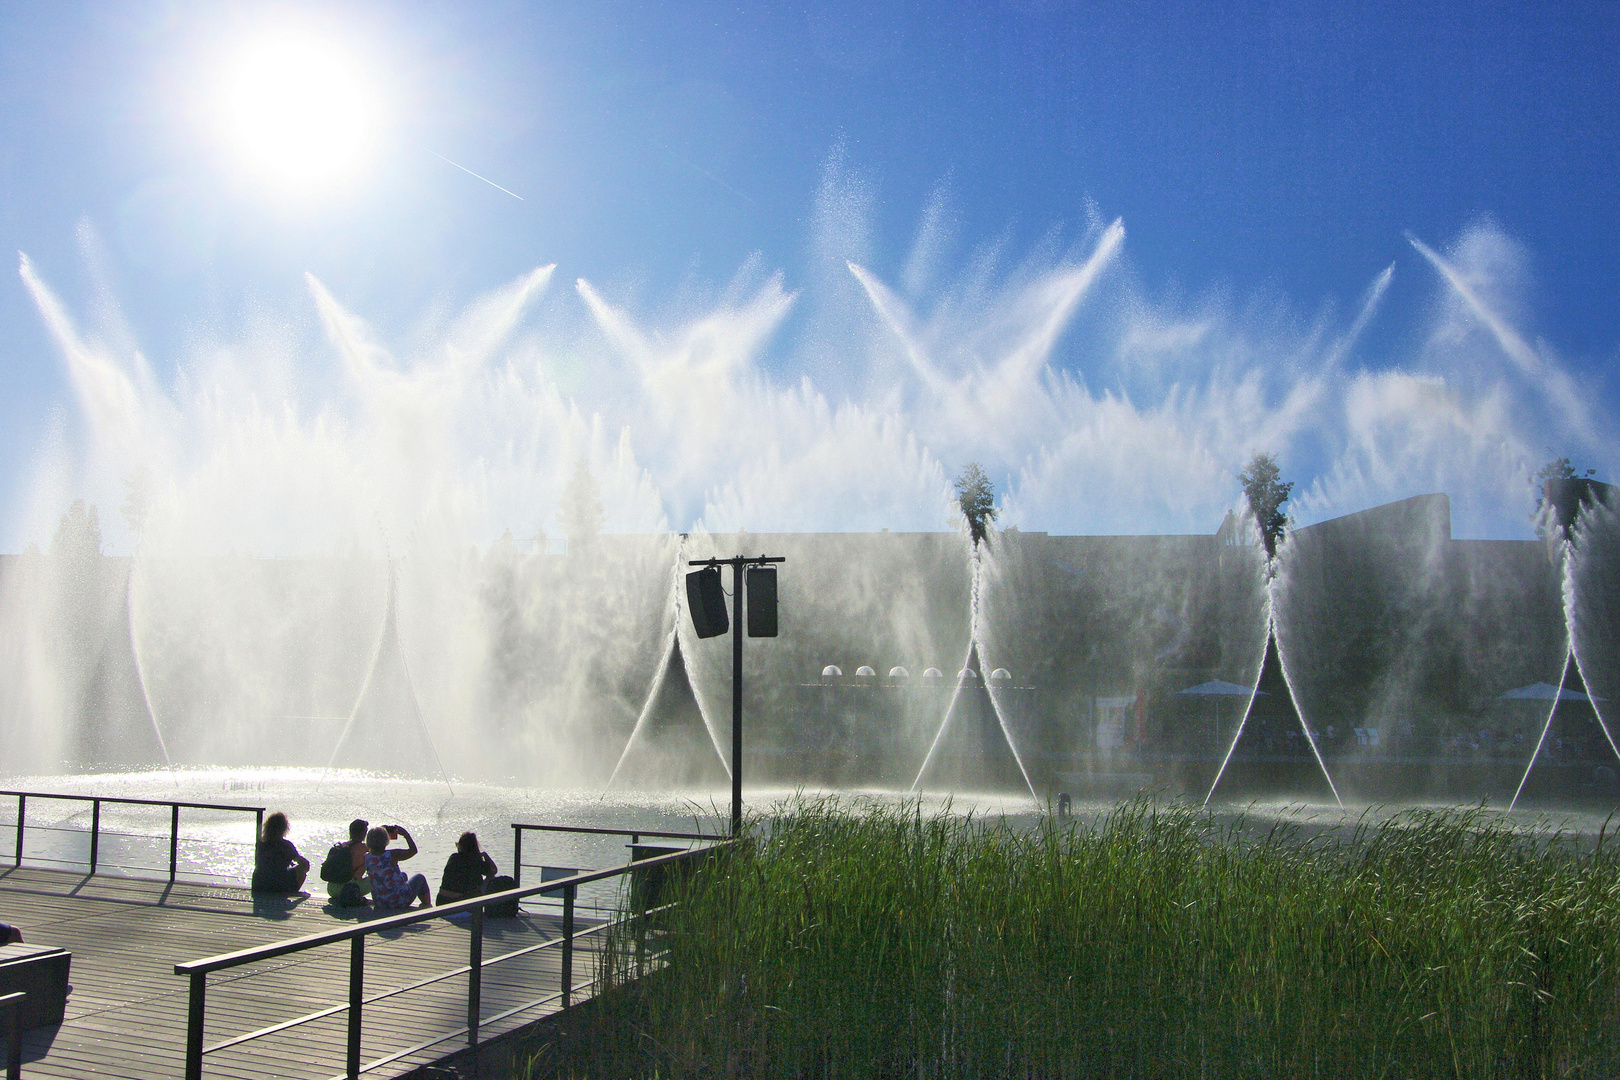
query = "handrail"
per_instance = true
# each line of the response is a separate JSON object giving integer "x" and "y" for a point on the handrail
{"x": 619, "y": 832}
{"x": 137, "y": 802}
{"x": 175, "y": 806}
{"x": 199, "y": 970}
{"x": 635, "y": 836}
{"x": 406, "y": 918}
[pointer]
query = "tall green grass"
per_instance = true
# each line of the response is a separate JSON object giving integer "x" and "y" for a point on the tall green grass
{"x": 871, "y": 941}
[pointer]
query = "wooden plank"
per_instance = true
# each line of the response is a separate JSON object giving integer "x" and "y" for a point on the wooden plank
{"x": 127, "y": 1010}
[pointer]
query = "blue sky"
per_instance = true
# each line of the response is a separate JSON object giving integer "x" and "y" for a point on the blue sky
{"x": 1267, "y": 163}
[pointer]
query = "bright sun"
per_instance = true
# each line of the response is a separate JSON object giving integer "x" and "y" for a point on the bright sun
{"x": 298, "y": 111}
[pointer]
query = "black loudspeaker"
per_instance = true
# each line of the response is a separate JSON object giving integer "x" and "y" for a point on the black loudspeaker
{"x": 761, "y": 600}
{"x": 707, "y": 602}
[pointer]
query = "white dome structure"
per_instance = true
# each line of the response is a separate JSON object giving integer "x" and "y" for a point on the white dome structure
{"x": 967, "y": 673}
{"x": 899, "y": 673}
{"x": 865, "y": 672}
{"x": 1001, "y": 674}
{"x": 832, "y": 671}
{"x": 933, "y": 673}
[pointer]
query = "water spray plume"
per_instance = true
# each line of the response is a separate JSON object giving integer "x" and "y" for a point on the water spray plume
{"x": 1369, "y": 307}
{"x": 815, "y": 416}
{"x": 1548, "y": 378}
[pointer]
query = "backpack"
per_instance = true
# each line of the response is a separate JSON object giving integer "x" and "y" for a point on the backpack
{"x": 350, "y": 896}
{"x": 506, "y": 909}
{"x": 338, "y": 866}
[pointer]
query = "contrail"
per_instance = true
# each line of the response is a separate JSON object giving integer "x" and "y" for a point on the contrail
{"x": 469, "y": 172}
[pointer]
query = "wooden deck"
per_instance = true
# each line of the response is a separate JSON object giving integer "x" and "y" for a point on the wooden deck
{"x": 126, "y": 1011}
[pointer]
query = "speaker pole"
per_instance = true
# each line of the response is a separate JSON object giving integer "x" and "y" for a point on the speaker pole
{"x": 738, "y": 587}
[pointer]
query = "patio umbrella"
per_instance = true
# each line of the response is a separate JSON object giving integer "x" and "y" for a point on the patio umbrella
{"x": 1541, "y": 691}
{"x": 1217, "y": 689}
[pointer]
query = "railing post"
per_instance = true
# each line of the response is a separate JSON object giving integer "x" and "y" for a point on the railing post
{"x": 517, "y": 854}
{"x": 475, "y": 976}
{"x": 174, "y": 838}
{"x": 568, "y": 944}
{"x": 22, "y": 811}
{"x": 194, "y": 1026}
{"x": 95, "y": 831}
{"x": 357, "y": 993}
{"x": 641, "y": 943}
{"x": 12, "y": 1004}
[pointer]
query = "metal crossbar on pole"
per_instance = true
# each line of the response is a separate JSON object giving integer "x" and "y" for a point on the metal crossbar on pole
{"x": 739, "y": 588}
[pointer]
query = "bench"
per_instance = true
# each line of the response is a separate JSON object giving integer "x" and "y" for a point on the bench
{"x": 41, "y": 972}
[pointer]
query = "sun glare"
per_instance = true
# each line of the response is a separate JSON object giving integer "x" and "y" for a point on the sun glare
{"x": 298, "y": 111}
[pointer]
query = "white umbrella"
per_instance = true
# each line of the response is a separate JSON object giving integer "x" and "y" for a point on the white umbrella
{"x": 1217, "y": 689}
{"x": 1544, "y": 692}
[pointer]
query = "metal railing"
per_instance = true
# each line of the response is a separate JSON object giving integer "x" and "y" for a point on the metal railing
{"x": 96, "y": 802}
{"x": 635, "y": 835}
{"x": 11, "y": 1023}
{"x": 199, "y": 970}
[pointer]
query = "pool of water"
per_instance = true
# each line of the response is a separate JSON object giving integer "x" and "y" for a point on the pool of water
{"x": 216, "y": 845}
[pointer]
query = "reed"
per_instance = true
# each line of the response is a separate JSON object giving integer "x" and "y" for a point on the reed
{"x": 869, "y": 940}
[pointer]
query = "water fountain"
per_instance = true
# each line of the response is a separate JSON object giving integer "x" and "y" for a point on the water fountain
{"x": 380, "y": 627}
{"x": 1576, "y": 756}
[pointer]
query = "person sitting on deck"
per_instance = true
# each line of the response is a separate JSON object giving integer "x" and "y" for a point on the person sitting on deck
{"x": 351, "y": 890}
{"x": 277, "y": 866}
{"x": 467, "y": 871}
{"x": 390, "y": 886}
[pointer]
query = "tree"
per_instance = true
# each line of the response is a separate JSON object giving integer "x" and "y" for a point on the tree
{"x": 1560, "y": 483}
{"x": 138, "y": 503}
{"x": 581, "y": 515}
{"x": 977, "y": 498}
{"x": 79, "y": 534}
{"x": 1265, "y": 490}
{"x": 1559, "y": 468}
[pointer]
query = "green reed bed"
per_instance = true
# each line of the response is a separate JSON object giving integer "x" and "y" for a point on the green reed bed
{"x": 871, "y": 941}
